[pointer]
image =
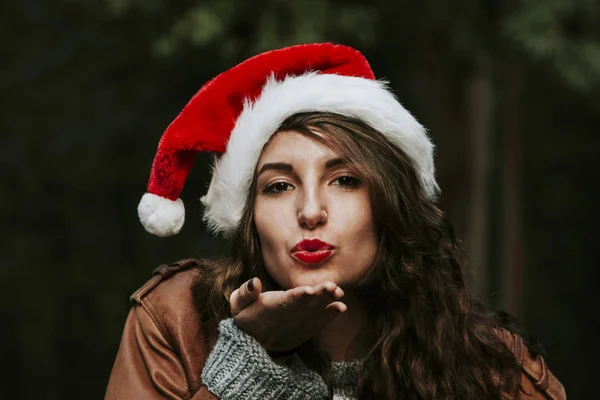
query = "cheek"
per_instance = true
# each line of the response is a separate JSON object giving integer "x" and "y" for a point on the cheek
{"x": 355, "y": 218}
{"x": 273, "y": 225}
{"x": 272, "y": 221}
{"x": 357, "y": 232}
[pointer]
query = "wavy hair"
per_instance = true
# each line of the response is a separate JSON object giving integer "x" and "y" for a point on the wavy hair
{"x": 432, "y": 338}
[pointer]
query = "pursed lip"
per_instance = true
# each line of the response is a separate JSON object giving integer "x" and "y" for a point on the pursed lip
{"x": 312, "y": 245}
{"x": 312, "y": 251}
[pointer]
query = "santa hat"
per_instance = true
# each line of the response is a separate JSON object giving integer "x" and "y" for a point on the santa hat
{"x": 236, "y": 113}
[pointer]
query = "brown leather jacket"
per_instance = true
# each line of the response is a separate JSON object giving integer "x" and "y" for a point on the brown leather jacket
{"x": 163, "y": 351}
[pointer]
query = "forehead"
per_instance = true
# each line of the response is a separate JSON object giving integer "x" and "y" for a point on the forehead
{"x": 294, "y": 147}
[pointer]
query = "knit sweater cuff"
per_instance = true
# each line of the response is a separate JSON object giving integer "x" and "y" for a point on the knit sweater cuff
{"x": 344, "y": 375}
{"x": 240, "y": 368}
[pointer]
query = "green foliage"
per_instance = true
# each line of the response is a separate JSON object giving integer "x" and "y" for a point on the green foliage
{"x": 563, "y": 33}
{"x": 246, "y": 27}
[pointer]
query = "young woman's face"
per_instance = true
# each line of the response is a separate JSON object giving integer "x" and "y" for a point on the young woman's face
{"x": 304, "y": 191}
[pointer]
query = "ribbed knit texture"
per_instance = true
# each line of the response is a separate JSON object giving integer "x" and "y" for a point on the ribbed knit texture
{"x": 240, "y": 368}
{"x": 344, "y": 377}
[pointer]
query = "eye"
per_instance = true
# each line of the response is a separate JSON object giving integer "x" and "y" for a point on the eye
{"x": 278, "y": 187}
{"x": 347, "y": 181}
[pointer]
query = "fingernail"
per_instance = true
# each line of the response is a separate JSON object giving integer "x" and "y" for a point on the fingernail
{"x": 250, "y": 285}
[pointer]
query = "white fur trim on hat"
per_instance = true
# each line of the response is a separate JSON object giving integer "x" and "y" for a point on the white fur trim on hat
{"x": 161, "y": 216}
{"x": 367, "y": 100}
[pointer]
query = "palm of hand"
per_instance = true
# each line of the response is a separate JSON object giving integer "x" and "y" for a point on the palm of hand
{"x": 283, "y": 320}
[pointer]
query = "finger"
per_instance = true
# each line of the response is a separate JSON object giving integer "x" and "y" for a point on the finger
{"x": 336, "y": 306}
{"x": 326, "y": 288}
{"x": 324, "y": 293}
{"x": 338, "y": 293}
{"x": 309, "y": 296}
{"x": 296, "y": 297}
{"x": 245, "y": 295}
{"x": 332, "y": 311}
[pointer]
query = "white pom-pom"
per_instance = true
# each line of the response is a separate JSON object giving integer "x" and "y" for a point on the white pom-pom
{"x": 161, "y": 216}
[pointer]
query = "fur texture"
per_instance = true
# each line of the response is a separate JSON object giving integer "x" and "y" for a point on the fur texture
{"x": 206, "y": 122}
{"x": 365, "y": 99}
{"x": 161, "y": 216}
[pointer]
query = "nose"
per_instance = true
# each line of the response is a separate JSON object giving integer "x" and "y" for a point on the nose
{"x": 311, "y": 211}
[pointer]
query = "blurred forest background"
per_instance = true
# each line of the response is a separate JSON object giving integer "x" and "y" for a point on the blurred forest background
{"x": 508, "y": 89}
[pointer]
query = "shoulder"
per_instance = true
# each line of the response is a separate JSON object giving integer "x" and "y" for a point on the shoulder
{"x": 169, "y": 321}
{"x": 167, "y": 299}
{"x": 163, "y": 347}
{"x": 536, "y": 376}
{"x": 169, "y": 282}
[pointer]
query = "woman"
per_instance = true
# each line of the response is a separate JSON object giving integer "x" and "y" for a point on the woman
{"x": 344, "y": 282}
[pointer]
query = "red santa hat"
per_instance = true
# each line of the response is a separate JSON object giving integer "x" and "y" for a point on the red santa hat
{"x": 236, "y": 113}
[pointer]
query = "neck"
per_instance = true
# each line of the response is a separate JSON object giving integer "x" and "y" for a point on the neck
{"x": 343, "y": 338}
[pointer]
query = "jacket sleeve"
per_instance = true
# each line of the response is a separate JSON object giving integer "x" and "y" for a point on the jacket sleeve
{"x": 146, "y": 366}
{"x": 537, "y": 382}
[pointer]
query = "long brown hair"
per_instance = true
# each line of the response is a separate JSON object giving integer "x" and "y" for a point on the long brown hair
{"x": 433, "y": 340}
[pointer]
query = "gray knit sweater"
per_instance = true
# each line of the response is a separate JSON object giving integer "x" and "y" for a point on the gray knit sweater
{"x": 240, "y": 368}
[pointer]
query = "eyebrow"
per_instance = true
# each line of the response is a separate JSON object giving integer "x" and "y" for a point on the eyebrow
{"x": 282, "y": 166}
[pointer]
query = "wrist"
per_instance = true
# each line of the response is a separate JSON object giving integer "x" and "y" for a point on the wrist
{"x": 281, "y": 357}
{"x": 281, "y": 354}
{"x": 240, "y": 368}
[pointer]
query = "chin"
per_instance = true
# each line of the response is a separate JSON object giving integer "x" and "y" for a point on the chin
{"x": 313, "y": 277}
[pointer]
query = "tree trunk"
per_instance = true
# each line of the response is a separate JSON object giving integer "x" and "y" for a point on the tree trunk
{"x": 511, "y": 172}
{"x": 479, "y": 110}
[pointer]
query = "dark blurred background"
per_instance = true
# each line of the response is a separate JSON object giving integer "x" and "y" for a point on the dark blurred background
{"x": 509, "y": 91}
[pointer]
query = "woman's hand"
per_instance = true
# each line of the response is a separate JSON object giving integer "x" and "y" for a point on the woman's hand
{"x": 283, "y": 320}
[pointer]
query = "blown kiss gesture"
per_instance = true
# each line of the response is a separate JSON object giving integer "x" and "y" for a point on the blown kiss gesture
{"x": 283, "y": 320}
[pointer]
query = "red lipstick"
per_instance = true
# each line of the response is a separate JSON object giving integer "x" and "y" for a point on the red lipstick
{"x": 312, "y": 251}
